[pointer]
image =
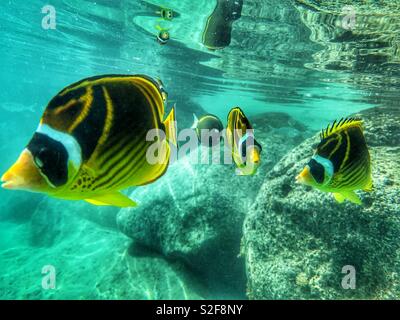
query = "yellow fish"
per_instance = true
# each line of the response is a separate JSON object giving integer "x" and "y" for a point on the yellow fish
{"x": 341, "y": 164}
{"x": 91, "y": 141}
{"x": 246, "y": 151}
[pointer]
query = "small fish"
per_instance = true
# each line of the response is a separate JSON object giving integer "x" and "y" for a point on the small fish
{"x": 166, "y": 13}
{"x": 163, "y": 37}
{"x": 246, "y": 151}
{"x": 210, "y": 125}
{"x": 91, "y": 141}
{"x": 341, "y": 163}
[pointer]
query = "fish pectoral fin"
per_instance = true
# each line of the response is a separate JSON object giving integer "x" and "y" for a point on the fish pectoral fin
{"x": 352, "y": 197}
{"x": 370, "y": 185}
{"x": 170, "y": 127}
{"x": 244, "y": 171}
{"x": 347, "y": 195}
{"x": 339, "y": 197}
{"x": 96, "y": 202}
{"x": 239, "y": 172}
{"x": 116, "y": 199}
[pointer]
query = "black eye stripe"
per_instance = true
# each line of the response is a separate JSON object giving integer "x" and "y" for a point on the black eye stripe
{"x": 249, "y": 141}
{"x": 52, "y": 155}
{"x": 317, "y": 171}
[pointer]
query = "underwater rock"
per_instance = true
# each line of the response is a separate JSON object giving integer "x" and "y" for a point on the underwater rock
{"x": 46, "y": 223}
{"x": 192, "y": 214}
{"x": 195, "y": 212}
{"x": 297, "y": 239}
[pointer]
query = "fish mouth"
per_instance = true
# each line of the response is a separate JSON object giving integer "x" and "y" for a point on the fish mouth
{"x": 22, "y": 175}
{"x": 7, "y": 184}
{"x": 7, "y": 181}
{"x": 11, "y": 182}
{"x": 304, "y": 176}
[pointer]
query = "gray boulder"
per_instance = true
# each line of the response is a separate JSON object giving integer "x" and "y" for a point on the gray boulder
{"x": 195, "y": 213}
{"x": 297, "y": 239}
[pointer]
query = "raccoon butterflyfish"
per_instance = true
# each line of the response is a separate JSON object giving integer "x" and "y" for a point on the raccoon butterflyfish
{"x": 246, "y": 151}
{"x": 91, "y": 141}
{"x": 341, "y": 163}
{"x": 207, "y": 126}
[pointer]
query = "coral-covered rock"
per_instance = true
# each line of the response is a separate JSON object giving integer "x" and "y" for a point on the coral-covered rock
{"x": 195, "y": 212}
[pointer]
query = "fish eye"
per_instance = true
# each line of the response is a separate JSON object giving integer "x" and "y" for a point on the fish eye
{"x": 39, "y": 163}
{"x": 39, "y": 158}
{"x": 50, "y": 157}
{"x": 43, "y": 152}
{"x": 248, "y": 142}
{"x": 243, "y": 149}
{"x": 317, "y": 170}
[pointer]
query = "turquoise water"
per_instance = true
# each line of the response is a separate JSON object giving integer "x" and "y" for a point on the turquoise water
{"x": 290, "y": 65}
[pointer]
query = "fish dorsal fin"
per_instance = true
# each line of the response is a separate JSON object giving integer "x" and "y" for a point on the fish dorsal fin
{"x": 340, "y": 125}
{"x": 370, "y": 185}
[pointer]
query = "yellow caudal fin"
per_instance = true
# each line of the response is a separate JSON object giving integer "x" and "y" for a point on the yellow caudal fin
{"x": 347, "y": 195}
{"x": 116, "y": 199}
{"x": 170, "y": 127}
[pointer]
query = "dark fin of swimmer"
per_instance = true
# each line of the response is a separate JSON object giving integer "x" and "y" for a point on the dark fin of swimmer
{"x": 217, "y": 33}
